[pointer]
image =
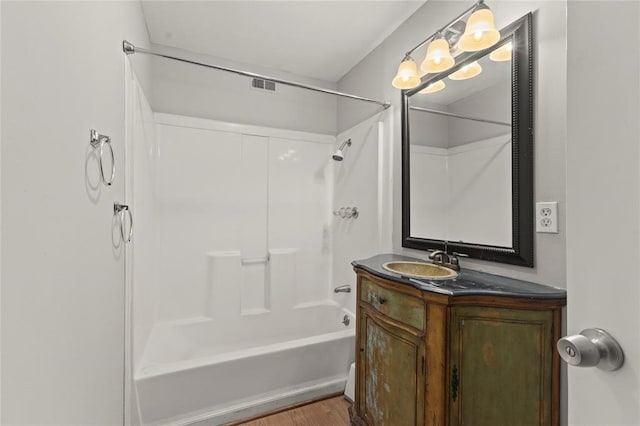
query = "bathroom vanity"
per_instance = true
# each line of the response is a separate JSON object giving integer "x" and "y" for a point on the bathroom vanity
{"x": 477, "y": 349}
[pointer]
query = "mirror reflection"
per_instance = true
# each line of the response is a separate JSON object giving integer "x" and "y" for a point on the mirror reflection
{"x": 460, "y": 154}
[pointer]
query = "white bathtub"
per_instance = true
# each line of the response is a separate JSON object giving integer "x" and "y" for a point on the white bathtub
{"x": 202, "y": 371}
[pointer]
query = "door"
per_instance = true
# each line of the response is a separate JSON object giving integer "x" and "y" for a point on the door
{"x": 603, "y": 243}
{"x": 391, "y": 369}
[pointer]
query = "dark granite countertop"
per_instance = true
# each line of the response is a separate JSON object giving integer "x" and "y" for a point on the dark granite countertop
{"x": 468, "y": 282}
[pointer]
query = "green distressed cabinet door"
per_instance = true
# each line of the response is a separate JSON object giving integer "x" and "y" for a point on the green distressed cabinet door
{"x": 391, "y": 374}
{"x": 500, "y": 367}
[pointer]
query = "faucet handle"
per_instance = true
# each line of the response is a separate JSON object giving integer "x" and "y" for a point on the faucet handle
{"x": 439, "y": 256}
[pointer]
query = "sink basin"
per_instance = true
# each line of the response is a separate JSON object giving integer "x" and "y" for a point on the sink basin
{"x": 420, "y": 270}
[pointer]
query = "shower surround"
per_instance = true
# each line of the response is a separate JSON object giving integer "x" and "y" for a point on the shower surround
{"x": 233, "y": 263}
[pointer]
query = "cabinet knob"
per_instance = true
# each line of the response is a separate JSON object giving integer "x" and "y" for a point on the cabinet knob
{"x": 593, "y": 347}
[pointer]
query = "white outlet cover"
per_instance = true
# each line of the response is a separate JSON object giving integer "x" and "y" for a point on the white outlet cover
{"x": 547, "y": 217}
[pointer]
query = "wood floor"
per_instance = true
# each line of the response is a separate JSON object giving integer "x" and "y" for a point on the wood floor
{"x": 328, "y": 412}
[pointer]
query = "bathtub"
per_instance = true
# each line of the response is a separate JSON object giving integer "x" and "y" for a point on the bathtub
{"x": 203, "y": 371}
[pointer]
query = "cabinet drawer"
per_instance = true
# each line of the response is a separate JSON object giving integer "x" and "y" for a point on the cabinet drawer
{"x": 398, "y": 306}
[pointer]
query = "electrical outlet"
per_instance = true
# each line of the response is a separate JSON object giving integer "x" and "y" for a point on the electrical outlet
{"x": 547, "y": 217}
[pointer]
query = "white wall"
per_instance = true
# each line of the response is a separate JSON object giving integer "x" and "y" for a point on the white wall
{"x": 360, "y": 182}
{"x": 603, "y": 198}
{"x": 140, "y": 193}
{"x": 372, "y": 77}
{"x": 194, "y": 91}
{"x": 429, "y": 202}
{"x": 449, "y": 196}
{"x": 475, "y": 213}
{"x": 62, "y": 281}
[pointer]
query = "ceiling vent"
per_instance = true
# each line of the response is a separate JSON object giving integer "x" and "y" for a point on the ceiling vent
{"x": 258, "y": 83}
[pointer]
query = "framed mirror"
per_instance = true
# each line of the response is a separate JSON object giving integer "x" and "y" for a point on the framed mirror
{"x": 467, "y": 154}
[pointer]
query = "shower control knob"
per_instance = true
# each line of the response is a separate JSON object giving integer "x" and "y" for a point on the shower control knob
{"x": 593, "y": 347}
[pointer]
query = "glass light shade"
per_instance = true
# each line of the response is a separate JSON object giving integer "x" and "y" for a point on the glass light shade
{"x": 467, "y": 71}
{"x": 434, "y": 87}
{"x": 480, "y": 32}
{"x": 407, "y": 76}
{"x": 438, "y": 57}
{"x": 503, "y": 53}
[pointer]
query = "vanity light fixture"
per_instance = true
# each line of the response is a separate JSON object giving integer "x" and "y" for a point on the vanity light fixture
{"x": 433, "y": 87}
{"x": 503, "y": 53}
{"x": 407, "y": 76}
{"x": 468, "y": 71}
{"x": 480, "y": 33}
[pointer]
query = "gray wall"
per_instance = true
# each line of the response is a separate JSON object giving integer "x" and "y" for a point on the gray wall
{"x": 493, "y": 103}
{"x": 194, "y": 91}
{"x": 372, "y": 77}
{"x": 428, "y": 129}
{"x": 63, "y": 302}
{"x": 448, "y": 132}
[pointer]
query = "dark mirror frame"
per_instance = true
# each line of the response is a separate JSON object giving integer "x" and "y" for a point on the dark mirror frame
{"x": 521, "y": 252}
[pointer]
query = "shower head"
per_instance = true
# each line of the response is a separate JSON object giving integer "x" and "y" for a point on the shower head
{"x": 339, "y": 154}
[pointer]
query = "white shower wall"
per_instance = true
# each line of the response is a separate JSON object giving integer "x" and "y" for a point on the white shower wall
{"x": 140, "y": 195}
{"x": 362, "y": 180}
{"x": 449, "y": 196}
{"x": 213, "y": 200}
{"x": 227, "y": 200}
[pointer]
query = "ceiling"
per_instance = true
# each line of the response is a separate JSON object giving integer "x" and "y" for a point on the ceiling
{"x": 319, "y": 39}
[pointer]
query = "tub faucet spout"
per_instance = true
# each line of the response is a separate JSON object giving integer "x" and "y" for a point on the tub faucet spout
{"x": 343, "y": 289}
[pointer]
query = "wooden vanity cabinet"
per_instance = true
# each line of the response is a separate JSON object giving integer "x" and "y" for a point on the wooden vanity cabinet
{"x": 424, "y": 358}
{"x": 391, "y": 356}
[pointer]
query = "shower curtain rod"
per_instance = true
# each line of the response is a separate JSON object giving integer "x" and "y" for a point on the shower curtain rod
{"x": 449, "y": 114}
{"x": 129, "y": 49}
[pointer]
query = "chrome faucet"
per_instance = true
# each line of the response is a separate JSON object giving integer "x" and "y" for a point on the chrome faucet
{"x": 343, "y": 289}
{"x": 440, "y": 257}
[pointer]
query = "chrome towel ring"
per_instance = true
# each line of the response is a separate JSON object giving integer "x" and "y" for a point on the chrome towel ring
{"x": 98, "y": 140}
{"x": 119, "y": 210}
